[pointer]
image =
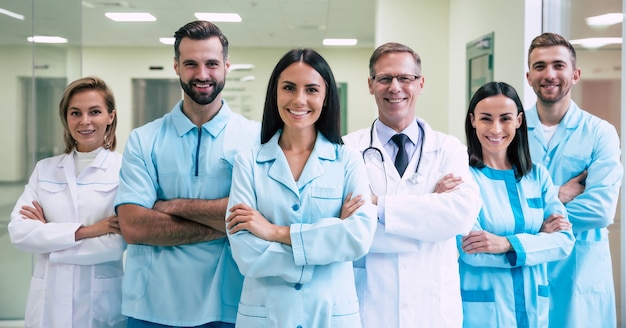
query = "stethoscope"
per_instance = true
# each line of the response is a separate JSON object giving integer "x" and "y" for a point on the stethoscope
{"x": 415, "y": 177}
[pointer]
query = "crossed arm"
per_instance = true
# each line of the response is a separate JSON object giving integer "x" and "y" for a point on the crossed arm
{"x": 173, "y": 222}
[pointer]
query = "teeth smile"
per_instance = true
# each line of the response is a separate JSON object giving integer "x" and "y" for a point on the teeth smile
{"x": 86, "y": 132}
{"x": 294, "y": 112}
{"x": 395, "y": 100}
{"x": 495, "y": 139}
{"x": 199, "y": 85}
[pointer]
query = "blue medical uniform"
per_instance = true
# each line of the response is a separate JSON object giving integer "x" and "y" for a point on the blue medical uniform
{"x": 184, "y": 285}
{"x": 582, "y": 285}
{"x": 511, "y": 289}
{"x": 311, "y": 282}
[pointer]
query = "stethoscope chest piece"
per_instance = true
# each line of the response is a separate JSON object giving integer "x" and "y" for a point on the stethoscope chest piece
{"x": 415, "y": 178}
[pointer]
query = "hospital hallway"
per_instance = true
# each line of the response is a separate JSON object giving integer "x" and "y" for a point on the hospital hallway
{"x": 14, "y": 264}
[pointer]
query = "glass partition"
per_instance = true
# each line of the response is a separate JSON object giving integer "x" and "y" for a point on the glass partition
{"x": 33, "y": 78}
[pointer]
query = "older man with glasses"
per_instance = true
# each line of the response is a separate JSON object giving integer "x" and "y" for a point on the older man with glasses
{"x": 425, "y": 195}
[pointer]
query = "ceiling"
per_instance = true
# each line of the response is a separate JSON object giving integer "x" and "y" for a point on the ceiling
{"x": 265, "y": 23}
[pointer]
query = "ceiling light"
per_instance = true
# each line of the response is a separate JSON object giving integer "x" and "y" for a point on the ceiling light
{"x": 167, "y": 40}
{"x": 219, "y": 17}
{"x": 604, "y": 20}
{"x": 11, "y": 14}
{"x": 247, "y": 78}
{"x": 340, "y": 42}
{"x": 130, "y": 17}
{"x": 240, "y": 67}
{"x": 46, "y": 39}
{"x": 594, "y": 43}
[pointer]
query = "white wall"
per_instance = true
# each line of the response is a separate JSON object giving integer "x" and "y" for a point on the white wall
{"x": 118, "y": 66}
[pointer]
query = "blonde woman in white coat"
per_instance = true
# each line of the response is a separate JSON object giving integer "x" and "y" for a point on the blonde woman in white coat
{"x": 65, "y": 217}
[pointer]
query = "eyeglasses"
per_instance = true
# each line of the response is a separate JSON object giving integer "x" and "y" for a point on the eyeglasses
{"x": 387, "y": 79}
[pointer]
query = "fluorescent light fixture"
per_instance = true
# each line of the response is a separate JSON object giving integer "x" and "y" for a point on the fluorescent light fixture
{"x": 340, "y": 42}
{"x": 11, "y": 14}
{"x": 167, "y": 40}
{"x": 604, "y": 20}
{"x": 46, "y": 39}
{"x": 247, "y": 78}
{"x": 130, "y": 17}
{"x": 240, "y": 67}
{"x": 219, "y": 17}
{"x": 594, "y": 43}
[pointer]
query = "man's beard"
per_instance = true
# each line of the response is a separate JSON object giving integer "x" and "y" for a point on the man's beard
{"x": 200, "y": 98}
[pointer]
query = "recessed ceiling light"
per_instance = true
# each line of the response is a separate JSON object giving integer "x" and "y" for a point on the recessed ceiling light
{"x": 247, "y": 78}
{"x": 131, "y": 17}
{"x": 219, "y": 17}
{"x": 11, "y": 14}
{"x": 167, "y": 40}
{"x": 340, "y": 42}
{"x": 604, "y": 20}
{"x": 594, "y": 43}
{"x": 240, "y": 67}
{"x": 46, "y": 39}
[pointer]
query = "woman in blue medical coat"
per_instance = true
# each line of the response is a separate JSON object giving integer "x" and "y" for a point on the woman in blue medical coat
{"x": 522, "y": 224}
{"x": 65, "y": 217}
{"x": 300, "y": 206}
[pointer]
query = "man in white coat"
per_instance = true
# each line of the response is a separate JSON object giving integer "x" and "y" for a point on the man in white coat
{"x": 425, "y": 196}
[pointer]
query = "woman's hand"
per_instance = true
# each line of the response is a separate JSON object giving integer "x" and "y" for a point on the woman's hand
{"x": 105, "y": 226}
{"x": 485, "y": 242}
{"x": 243, "y": 217}
{"x": 34, "y": 212}
{"x": 350, "y": 205}
{"x": 555, "y": 222}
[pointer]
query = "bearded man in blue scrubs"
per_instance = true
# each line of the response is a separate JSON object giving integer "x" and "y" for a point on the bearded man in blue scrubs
{"x": 174, "y": 185}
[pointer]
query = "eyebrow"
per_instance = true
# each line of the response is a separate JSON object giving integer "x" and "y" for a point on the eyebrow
{"x": 306, "y": 85}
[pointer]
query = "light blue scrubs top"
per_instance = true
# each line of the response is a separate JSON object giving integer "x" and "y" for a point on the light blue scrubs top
{"x": 511, "y": 289}
{"x": 311, "y": 283}
{"x": 193, "y": 284}
{"x": 582, "y": 285}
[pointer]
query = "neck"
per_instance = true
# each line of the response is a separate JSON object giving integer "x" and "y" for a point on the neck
{"x": 297, "y": 140}
{"x": 498, "y": 162}
{"x": 552, "y": 113}
{"x": 200, "y": 114}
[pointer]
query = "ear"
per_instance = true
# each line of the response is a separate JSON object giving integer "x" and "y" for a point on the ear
{"x": 227, "y": 65}
{"x": 576, "y": 76}
{"x": 370, "y": 85}
{"x": 472, "y": 120}
{"x": 520, "y": 116}
{"x": 176, "y": 66}
{"x": 111, "y": 117}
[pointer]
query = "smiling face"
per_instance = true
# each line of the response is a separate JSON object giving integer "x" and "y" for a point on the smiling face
{"x": 496, "y": 121}
{"x": 201, "y": 69}
{"x": 87, "y": 119}
{"x": 396, "y": 100}
{"x": 301, "y": 91}
{"x": 552, "y": 74}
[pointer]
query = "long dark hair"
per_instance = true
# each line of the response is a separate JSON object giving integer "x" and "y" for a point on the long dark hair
{"x": 329, "y": 121}
{"x": 518, "y": 152}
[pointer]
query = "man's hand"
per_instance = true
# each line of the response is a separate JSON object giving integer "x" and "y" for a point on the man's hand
{"x": 572, "y": 188}
{"x": 448, "y": 183}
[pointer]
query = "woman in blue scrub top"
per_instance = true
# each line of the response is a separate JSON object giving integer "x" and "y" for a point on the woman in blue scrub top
{"x": 522, "y": 224}
{"x": 292, "y": 235}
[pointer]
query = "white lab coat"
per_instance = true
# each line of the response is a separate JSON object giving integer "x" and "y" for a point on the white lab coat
{"x": 74, "y": 283}
{"x": 411, "y": 275}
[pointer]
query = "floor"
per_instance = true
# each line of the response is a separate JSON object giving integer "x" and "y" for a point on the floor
{"x": 15, "y": 266}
